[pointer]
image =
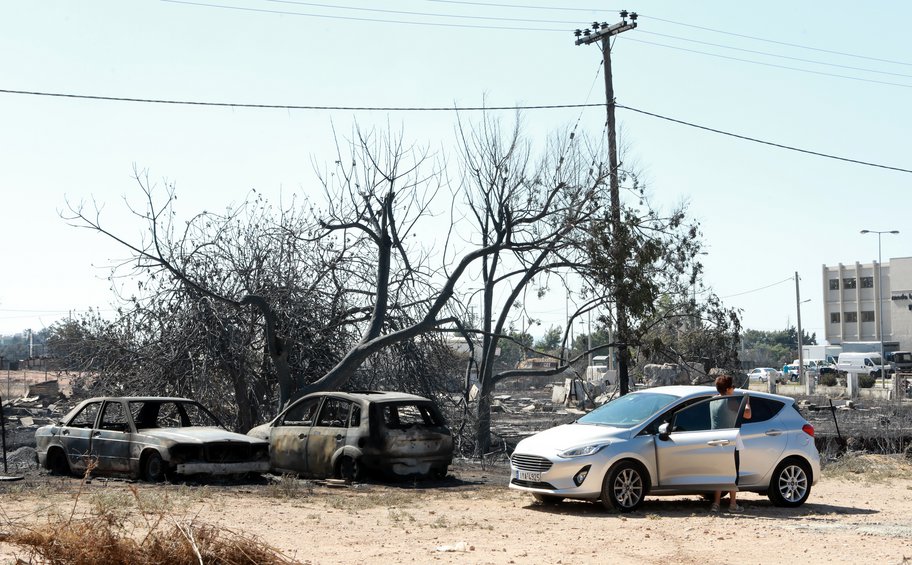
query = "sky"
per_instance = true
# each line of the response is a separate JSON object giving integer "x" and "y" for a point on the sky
{"x": 826, "y": 77}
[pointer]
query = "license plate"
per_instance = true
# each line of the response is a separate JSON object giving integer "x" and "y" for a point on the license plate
{"x": 531, "y": 476}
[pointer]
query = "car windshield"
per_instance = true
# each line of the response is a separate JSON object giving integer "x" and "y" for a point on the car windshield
{"x": 628, "y": 410}
{"x": 170, "y": 414}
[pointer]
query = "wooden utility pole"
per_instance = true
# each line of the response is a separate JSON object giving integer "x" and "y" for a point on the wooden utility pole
{"x": 603, "y": 32}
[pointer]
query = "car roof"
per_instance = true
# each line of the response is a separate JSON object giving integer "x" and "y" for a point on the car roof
{"x": 137, "y": 399}
{"x": 684, "y": 391}
{"x": 372, "y": 395}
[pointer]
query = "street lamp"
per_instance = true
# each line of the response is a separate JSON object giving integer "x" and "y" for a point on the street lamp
{"x": 883, "y": 374}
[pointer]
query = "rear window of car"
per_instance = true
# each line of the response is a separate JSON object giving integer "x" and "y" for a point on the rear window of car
{"x": 403, "y": 415}
{"x": 762, "y": 409}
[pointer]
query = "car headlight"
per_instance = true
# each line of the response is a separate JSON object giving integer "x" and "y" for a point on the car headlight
{"x": 582, "y": 451}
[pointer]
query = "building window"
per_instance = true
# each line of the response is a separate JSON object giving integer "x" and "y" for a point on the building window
{"x": 848, "y": 282}
{"x": 851, "y": 317}
{"x": 867, "y": 282}
{"x": 867, "y": 316}
{"x": 834, "y": 317}
{"x": 834, "y": 284}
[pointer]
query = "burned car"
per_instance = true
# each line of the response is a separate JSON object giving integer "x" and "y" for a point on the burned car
{"x": 347, "y": 434}
{"x": 148, "y": 438}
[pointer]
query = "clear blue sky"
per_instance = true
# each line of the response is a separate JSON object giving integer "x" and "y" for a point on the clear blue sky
{"x": 766, "y": 212}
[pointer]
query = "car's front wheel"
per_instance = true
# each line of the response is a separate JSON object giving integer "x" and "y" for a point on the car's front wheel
{"x": 624, "y": 487}
{"x": 791, "y": 483}
{"x": 57, "y": 462}
{"x": 153, "y": 467}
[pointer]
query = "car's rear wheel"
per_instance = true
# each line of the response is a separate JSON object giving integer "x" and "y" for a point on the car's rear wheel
{"x": 791, "y": 483}
{"x": 153, "y": 467}
{"x": 350, "y": 469}
{"x": 624, "y": 487}
{"x": 547, "y": 499}
{"x": 57, "y": 462}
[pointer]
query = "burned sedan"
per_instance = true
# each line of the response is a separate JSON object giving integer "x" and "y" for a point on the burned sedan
{"x": 347, "y": 434}
{"x": 148, "y": 438}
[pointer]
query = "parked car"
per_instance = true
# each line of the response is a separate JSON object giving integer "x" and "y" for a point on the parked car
{"x": 762, "y": 374}
{"x": 345, "y": 435}
{"x": 660, "y": 441}
{"x": 148, "y": 438}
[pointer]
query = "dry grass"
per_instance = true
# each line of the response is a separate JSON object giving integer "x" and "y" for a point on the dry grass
{"x": 121, "y": 529}
{"x": 868, "y": 467}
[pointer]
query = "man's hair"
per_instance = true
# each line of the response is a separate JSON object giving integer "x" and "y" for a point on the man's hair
{"x": 724, "y": 383}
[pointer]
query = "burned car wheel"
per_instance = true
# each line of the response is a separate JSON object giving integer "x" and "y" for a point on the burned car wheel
{"x": 153, "y": 467}
{"x": 57, "y": 462}
{"x": 350, "y": 469}
{"x": 625, "y": 487}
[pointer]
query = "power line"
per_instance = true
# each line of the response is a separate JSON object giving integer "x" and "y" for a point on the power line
{"x": 767, "y": 54}
{"x": 441, "y": 109}
{"x": 755, "y": 140}
{"x": 831, "y": 52}
{"x": 300, "y": 106}
{"x": 790, "y": 279}
{"x": 357, "y": 19}
{"x": 683, "y": 24}
{"x": 413, "y": 13}
{"x": 771, "y": 64}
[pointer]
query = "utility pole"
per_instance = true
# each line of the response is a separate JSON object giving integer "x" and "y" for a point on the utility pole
{"x": 603, "y": 32}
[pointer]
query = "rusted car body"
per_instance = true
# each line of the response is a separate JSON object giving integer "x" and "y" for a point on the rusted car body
{"x": 345, "y": 435}
{"x": 148, "y": 438}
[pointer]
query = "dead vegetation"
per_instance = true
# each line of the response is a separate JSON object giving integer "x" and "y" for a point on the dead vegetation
{"x": 868, "y": 467}
{"x": 132, "y": 529}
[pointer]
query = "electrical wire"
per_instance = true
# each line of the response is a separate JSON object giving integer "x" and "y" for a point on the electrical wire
{"x": 683, "y": 24}
{"x": 770, "y": 64}
{"x": 357, "y": 19}
{"x": 784, "y": 43}
{"x": 446, "y": 109}
{"x": 758, "y": 289}
{"x": 767, "y": 54}
{"x": 773, "y": 144}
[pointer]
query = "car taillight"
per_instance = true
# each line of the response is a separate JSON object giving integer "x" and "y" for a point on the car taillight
{"x": 808, "y": 429}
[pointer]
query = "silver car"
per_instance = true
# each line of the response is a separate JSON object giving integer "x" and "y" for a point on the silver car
{"x": 661, "y": 441}
{"x": 149, "y": 438}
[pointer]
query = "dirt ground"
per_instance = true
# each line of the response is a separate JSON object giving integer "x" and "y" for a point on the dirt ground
{"x": 472, "y": 517}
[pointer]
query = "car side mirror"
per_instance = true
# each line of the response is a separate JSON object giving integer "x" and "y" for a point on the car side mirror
{"x": 664, "y": 430}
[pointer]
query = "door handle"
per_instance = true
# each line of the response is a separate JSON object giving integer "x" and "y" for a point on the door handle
{"x": 65, "y": 432}
{"x": 339, "y": 437}
{"x": 96, "y": 434}
{"x": 774, "y": 432}
{"x": 302, "y": 436}
{"x": 718, "y": 442}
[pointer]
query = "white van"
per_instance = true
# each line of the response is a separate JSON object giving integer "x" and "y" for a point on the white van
{"x": 866, "y": 363}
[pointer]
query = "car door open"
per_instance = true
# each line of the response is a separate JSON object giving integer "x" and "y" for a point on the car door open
{"x": 692, "y": 453}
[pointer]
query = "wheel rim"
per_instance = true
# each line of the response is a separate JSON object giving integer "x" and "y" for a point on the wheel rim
{"x": 793, "y": 483}
{"x": 154, "y": 467}
{"x": 628, "y": 488}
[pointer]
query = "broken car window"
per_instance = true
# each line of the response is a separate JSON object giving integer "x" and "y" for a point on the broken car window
{"x": 113, "y": 418}
{"x": 301, "y": 414}
{"x": 86, "y": 417}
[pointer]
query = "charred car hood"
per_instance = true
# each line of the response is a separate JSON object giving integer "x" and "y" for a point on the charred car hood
{"x": 197, "y": 435}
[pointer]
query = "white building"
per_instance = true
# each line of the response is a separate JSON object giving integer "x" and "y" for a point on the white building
{"x": 854, "y": 299}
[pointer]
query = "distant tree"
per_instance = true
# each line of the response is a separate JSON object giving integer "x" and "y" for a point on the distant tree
{"x": 551, "y": 341}
{"x": 774, "y": 348}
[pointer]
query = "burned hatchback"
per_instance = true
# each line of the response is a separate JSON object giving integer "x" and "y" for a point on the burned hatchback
{"x": 148, "y": 438}
{"x": 348, "y": 434}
